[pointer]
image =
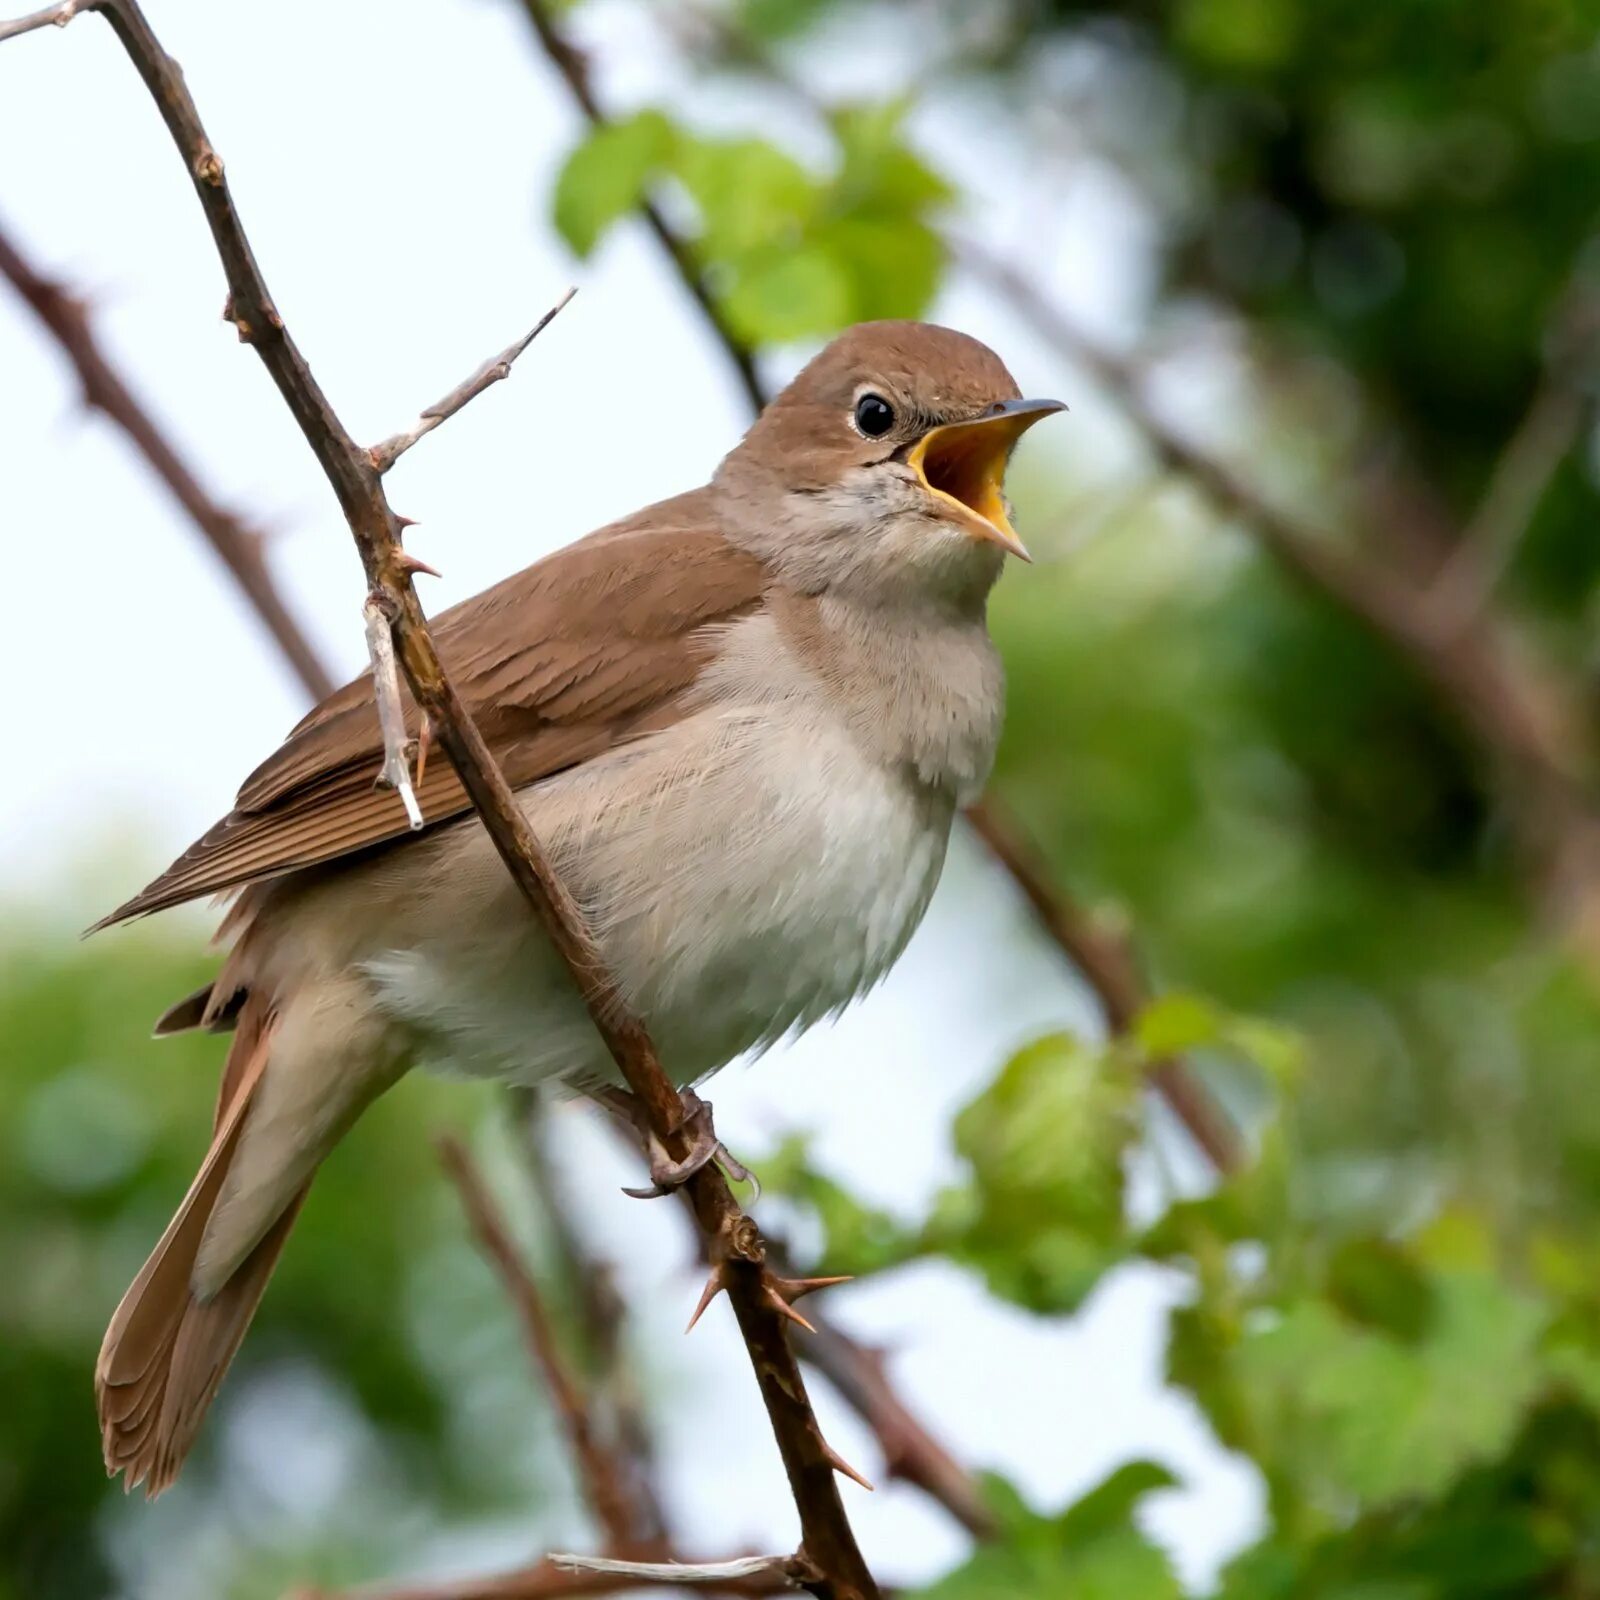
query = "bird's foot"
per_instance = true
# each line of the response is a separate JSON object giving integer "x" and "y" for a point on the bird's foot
{"x": 669, "y": 1174}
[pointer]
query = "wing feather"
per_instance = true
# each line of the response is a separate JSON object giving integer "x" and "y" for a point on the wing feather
{"x": 558, "y": 664}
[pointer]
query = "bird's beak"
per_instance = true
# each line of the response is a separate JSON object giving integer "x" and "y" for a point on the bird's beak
{"x": 964, "y": 463}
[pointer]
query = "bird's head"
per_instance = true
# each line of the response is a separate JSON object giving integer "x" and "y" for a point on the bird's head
{"x": 881, "y": 468}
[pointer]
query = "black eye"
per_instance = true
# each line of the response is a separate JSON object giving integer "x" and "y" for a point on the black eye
{"x": 874, "y": 415}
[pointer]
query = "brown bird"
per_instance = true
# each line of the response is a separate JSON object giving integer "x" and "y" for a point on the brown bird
{"x": 740, "y": 721}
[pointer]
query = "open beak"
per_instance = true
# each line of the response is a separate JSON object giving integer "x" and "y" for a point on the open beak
{"x": 964, "y": 463}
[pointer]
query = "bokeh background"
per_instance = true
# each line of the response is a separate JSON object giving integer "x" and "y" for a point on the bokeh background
{"x": 1302, "y": 718}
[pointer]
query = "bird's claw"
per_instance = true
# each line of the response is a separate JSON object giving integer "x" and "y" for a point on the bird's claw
{"x": 668, "y": 1175}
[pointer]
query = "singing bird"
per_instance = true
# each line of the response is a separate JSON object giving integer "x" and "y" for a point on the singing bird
{"x": 741, "y": 723}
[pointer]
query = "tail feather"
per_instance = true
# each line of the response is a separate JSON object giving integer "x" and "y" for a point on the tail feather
{"x": 166, "y": 1351}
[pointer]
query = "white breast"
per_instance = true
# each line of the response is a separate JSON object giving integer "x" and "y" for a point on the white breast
{"x": 748, "y": 870}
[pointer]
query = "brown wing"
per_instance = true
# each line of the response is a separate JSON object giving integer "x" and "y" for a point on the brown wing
{"x": 557, "y": 664}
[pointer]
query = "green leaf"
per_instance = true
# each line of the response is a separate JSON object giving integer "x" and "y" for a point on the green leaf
{"x": 1046, "y": 1143}
{"x": 893, "y": 265}
{"x": 1089, "y": 1551}
{"x": 1177, "y": 1022}
{"x": 751, "y": 196}
{"x": 779, "y": 295}
{"x": 1378, "y": 1282}
{"x": 879, "y": 174}
{"x": 1352, "y": 1412}
{"x": 608, "y": 174}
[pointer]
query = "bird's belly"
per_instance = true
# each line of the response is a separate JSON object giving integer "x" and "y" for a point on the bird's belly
{"x": 745, "y": 875}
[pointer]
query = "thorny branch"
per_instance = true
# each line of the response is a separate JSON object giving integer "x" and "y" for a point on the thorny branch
{"x": 237, "y": 546}
{"x": 827, "y": 1543}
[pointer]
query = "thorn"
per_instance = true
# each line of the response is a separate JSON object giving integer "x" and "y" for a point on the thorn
{"x": 793, "y": 1289}
{"x": 410, "y": 563}
{"x": 783, "y": 1308}
{"x": 839, "y": 1464}
{"x": 405, "y": 521}
{"x": 715, "y": 1284}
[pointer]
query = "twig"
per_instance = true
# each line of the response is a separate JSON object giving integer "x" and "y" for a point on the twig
{"x": 237, "y": 546}
{"x": 397, "y": 748}
{"x": 546, "y": 1581}
{"x": 604, "y": 1479}
{"x": 600, "y": 1316}
{"x": 492, "y": 371}
{"x": 1542, "y": 441}
{"x": 574, "y": 71}
{"x": 687, "y": 1573}
{"x": 826, "y": 1539}
{"x": 57, "y": 16}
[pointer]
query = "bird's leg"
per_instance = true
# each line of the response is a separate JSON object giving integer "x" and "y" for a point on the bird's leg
{"x": 666, "y": 1173}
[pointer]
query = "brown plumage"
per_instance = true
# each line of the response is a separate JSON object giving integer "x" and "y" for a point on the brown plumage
{"x": 740, "y": 721}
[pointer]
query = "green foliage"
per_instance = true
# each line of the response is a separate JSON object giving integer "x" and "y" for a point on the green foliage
{"x": 1090, "y": 1551}
{"x": 790, "y": 254}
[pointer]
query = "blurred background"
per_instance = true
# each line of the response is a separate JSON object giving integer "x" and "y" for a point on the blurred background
{"x": 1302, "y": 728}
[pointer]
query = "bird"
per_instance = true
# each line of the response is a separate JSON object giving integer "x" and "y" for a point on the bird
{"x": 740, "y": 722}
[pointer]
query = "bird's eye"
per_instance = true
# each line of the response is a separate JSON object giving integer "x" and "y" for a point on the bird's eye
{"x": 874, "y": 415}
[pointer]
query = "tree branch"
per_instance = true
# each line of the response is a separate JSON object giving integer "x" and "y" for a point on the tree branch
{"x": 574, "y": 71}
{"x": 734, "y": 1242}
{"x": 544, "y": 1580}
{"x": 1107, "y": 963}
{"x": 604, "y": 1479}
{"x": 237, "y": 546}
{"x": 600, "y": 1316}
{"x": 492, "y": 371}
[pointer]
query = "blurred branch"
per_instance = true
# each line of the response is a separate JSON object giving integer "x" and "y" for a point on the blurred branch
{"x": 574, "y": 71}
{"x": 1523, "y": 719}
{"x": 544, "y": 1580}
{"x": 605, "y": 1480}
{"x": 1106, "y": 959}
{"x": 238, "y": 546}
{"x": 1542, "y": 441}
{"x": 492, "y": 371}
{"x": 827, "y": 1543}
{"x": 600, "y": 1315}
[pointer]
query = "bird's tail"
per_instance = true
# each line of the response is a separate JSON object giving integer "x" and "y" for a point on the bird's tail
{"x": 168, "y": 1347}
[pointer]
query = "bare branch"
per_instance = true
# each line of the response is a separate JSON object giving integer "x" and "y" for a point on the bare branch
{"x": 493, "y": 371}
{"x": 1542, "y": 441}
{"x": 236, "y": 545}
{"x": 546, "y": 1581}
{"x": 397, "y": 746}
{"x": 574, "y": 73}
{"x": 604, "y": 1479}
{"x": 684, "y": 1573}
{"x": 600, "y": 1314}
{"x": 57, "y": 16}
{"x": 827, "y": 1540}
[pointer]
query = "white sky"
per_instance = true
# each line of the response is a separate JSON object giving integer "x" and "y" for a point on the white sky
{"x": 392, "y": 163}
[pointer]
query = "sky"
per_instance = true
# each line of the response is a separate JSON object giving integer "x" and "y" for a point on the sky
{"x": 392, "y": 163}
